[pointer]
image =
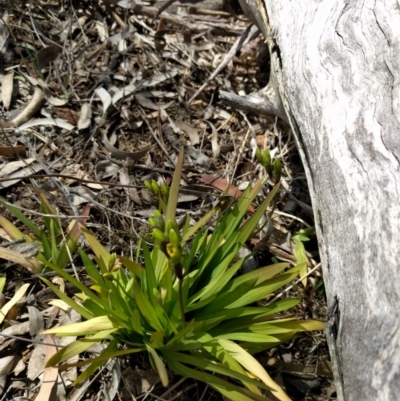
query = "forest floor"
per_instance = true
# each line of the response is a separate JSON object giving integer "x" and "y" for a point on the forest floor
{"x": 98, "y": 97}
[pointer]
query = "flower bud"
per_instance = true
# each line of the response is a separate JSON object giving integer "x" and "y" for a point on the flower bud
{"x": 108, "y": 276}
{"x": 174, "y": 254}
{"x": 173, "y": 237}
{"x": 158, "y": 234}
{"x": 164, "y": 190}
{"x": 155, "y": 187}
{"x": 168, "y": 226}
{"x": 259, "y": 156}
{"x": 277, "y": 170}
{"x": 266, "y": 158}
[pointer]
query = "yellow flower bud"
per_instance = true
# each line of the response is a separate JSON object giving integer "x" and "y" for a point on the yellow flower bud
{"x": 155, "y": 187}
{"x": 174, "y": 253}
{"x": 173, "y": 237}
{"x": 158, "y": 234}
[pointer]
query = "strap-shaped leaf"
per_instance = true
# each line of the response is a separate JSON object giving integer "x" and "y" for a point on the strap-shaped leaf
{"x": 159, "y": 365}
{"x": 245, "y": 294}
{"x": 77, "y": 347}
{"x": 95, "y": 324}
{"x": 229, "y": 390}
{"x": 250, "y": 337}
{"x": 17, "y": 297}
{"x": 207, "y": 364}
{"x": 254, "y": 367}
{"x": 21, "y": 217}
{"x": 146, "y": 308}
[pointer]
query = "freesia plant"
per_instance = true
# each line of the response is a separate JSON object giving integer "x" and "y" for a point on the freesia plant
{"x": 183, "y": 300}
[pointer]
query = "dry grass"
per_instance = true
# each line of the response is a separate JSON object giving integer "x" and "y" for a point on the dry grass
{"x": 98, "y": 97}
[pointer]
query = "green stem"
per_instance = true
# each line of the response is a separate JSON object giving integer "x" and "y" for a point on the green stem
{"x": 275, "y": 201}
{"x": 181, "y": 302}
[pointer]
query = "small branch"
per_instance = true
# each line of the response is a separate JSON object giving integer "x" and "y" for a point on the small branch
{"x": 264, "y": 102}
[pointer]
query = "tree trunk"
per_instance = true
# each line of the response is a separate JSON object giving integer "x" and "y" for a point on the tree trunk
{"x": 336, "y": 68}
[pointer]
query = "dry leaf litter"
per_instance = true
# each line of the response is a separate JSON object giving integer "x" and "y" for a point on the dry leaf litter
{"x": 96, "y": 98}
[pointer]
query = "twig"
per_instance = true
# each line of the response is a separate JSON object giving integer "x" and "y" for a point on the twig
{"x": 247, "y": 35}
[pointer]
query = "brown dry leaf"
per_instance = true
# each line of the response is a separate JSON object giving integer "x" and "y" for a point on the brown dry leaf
{"x": 8, "y": 168}
{"x": 19, "y": 294}
{"x": 15, "y": 330}
{"x": 198, "y": 157}
{"x": 105, "y": 169}
{"x": 36, "y": 360}
{"x": 47, "y": 55}
{"x": 192, "y": 132}
{"x": 50, "y": 374}
{"x": 32, "y": 265}
{"x": 82, "y": 194}
{"x": 132, "y": 192}
{"x": 222, "y": 185}
{"x": 105, "y": 98}
{"x": 152, "y": 81}
{"x": 120, "y": 154}
{"x": 66, "y": 114}
{"x": 11, "y": 150}
{"x": 31, "y": 108}
{"x": 19, "y": 367}
{"x": 19, "y": 175}
{"x": 145, "y": 102}
{"x": 57, "y": 122}
{"x": 86, "y": 116}
{"x": 6, "y": 365}
{"x": 36, "y": 321}
{"x": 216, "y": 149}
{"x": 7, "y": 89}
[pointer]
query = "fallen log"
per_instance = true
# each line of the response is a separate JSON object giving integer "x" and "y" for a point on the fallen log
{"x": 335, "y": 78}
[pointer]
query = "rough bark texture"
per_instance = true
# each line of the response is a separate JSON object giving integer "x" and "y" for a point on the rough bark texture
{"x": 337, "y": 66}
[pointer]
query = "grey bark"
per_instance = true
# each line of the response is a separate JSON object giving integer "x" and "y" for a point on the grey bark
{"x": 336, "y": 68}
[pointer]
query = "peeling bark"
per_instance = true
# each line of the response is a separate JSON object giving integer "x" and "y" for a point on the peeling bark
{"x": 337, "y": 72}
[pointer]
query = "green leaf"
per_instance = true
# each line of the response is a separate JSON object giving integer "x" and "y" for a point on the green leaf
{"x": 250, "y": 337}
{"x": 17, "y": 297}
{"x": 244, "y": 294}
{"x": 207, "y": 364}
{"x": 132, "y": 266}
{"x": 257, "y": 276}
{"x": 210, "y": 291}
{"x": 301, "y": 257}
{"x": 159, "y": 365}
{"x": 145, "y": 307}
{"x": 91, "y": 270}
{"x": 248, "y": 228}
{"x": 72, "y": 239}
{"x": 199, "y": 224}
{"x": 229, "y": 390}
{"x": 102, "y": 255}
{"x": 21, "y": 217}
{"x": 77, "y": 347}
{"x": 75, "y": 306}
{"x": 11, "y": 229}
{"x": 254, "y": 367}
{"x": 99, "y": 323}
{"x": 77, "y": 284}
{"x": 180, "y": 336}
{"x": 237, "y": 318}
